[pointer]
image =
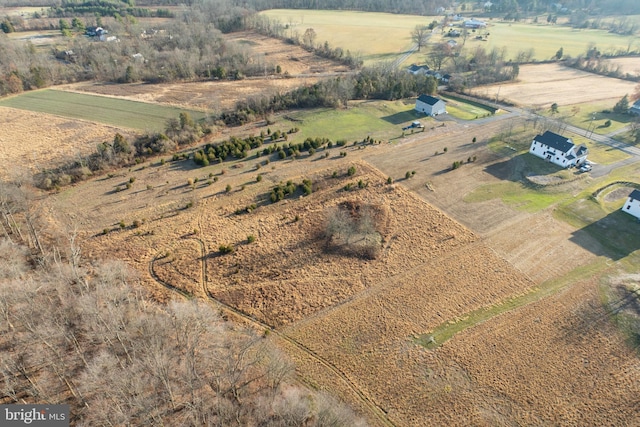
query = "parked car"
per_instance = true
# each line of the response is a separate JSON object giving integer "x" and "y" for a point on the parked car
{"x": 413, "y": 125}
{"x": 585, "y": 168}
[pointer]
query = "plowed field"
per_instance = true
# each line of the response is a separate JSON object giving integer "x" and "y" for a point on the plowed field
{"x": 542, "y": 85}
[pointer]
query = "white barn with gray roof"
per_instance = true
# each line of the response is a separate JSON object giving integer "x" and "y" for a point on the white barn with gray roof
{"x": 430, "y": 105}
{"x": 632, "y": 205}
{"x": 559, "y": 150}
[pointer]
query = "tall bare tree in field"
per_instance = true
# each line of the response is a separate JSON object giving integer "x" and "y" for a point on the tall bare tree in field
{"x": 420, "y": 35}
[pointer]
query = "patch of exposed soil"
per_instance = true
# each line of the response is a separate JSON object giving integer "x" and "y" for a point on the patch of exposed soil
{"x": 618, "y": 193}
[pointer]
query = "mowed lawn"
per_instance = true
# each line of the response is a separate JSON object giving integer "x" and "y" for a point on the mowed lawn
{"x": 376, "y": 36}
{"x": 118, "y": 112}
{"x": 381, "y": 120}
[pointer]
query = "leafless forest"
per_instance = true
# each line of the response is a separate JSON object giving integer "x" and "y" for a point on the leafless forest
{"x": 86, "y": 335}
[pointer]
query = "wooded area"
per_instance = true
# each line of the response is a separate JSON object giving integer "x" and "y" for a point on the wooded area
{"x": 87, "y": 335}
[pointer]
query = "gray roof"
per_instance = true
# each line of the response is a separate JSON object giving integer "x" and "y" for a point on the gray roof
{"x": 635, "y": 195}
{"x": 428, "y": 99}
{"x": 554, "y": 140}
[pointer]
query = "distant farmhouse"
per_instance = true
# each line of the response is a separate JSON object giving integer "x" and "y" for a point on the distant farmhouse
{"x": 635, "y": 108}
{"x": 558, "y": 150}
{"x": 632, "y": 206}
{"x": 474, "y": 24}
{"x": 430, "y": 105}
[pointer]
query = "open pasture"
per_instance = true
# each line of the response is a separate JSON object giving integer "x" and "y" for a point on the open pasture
{"x": 546, "y": 40}
{"x": 107, "y": 110}
{"x": 540, "y": 85}
{"x": 376, "y": 36}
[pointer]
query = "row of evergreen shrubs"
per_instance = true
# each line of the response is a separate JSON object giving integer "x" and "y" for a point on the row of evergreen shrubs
{"x": 281, "y": 191}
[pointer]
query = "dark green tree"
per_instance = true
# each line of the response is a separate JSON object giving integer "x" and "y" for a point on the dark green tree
{"x": 622, "y": 106}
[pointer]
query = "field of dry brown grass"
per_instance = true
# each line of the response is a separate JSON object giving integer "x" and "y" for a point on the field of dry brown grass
{"x": 629, "y": 65}
{"x": 540, "y": 85}
{"x": 352, "y": 324}
{"x": 37, "y": 140}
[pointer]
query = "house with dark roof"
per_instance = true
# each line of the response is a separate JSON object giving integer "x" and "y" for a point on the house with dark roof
{"x": 558, "y": 149}
{"x": 635, "y": 108}
{"x": 430, "y": 105}
{"x": 632, "y": 205}
{"x": 418, "y": 69}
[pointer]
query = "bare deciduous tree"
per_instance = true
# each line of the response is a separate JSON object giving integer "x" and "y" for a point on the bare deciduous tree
{"x": 420, "y": 35}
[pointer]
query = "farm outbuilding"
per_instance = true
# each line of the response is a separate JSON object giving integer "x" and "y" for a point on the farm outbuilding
{"x": 558, "y": 150}
{"x": 632, "y": 205}
{"x": 635, "y": 108}
{"x": 430, "y": 105}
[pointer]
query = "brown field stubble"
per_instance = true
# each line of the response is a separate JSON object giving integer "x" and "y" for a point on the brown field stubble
{"x": 362, "y": 315}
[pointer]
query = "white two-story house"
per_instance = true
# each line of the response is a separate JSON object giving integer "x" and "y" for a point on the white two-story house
{"x": 558, "y": 150}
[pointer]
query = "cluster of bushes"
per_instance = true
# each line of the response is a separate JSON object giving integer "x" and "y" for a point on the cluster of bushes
{"x": 281, "y": 191}
{"x": 360, "y": 184}
{"x": 459, "y": 163}
{"x": 351, "y": 228}
{"x": 293, "y": 150}
{"x": 234, "y": 146}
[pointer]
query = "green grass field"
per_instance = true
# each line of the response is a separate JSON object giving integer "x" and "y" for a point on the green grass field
{"x": 466, "y": 110}
{"x": 545, "y": 40}
{"x": 378, "y": 119}
{"x": 590, "y": 116}
{"x": 111, "y": 111}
